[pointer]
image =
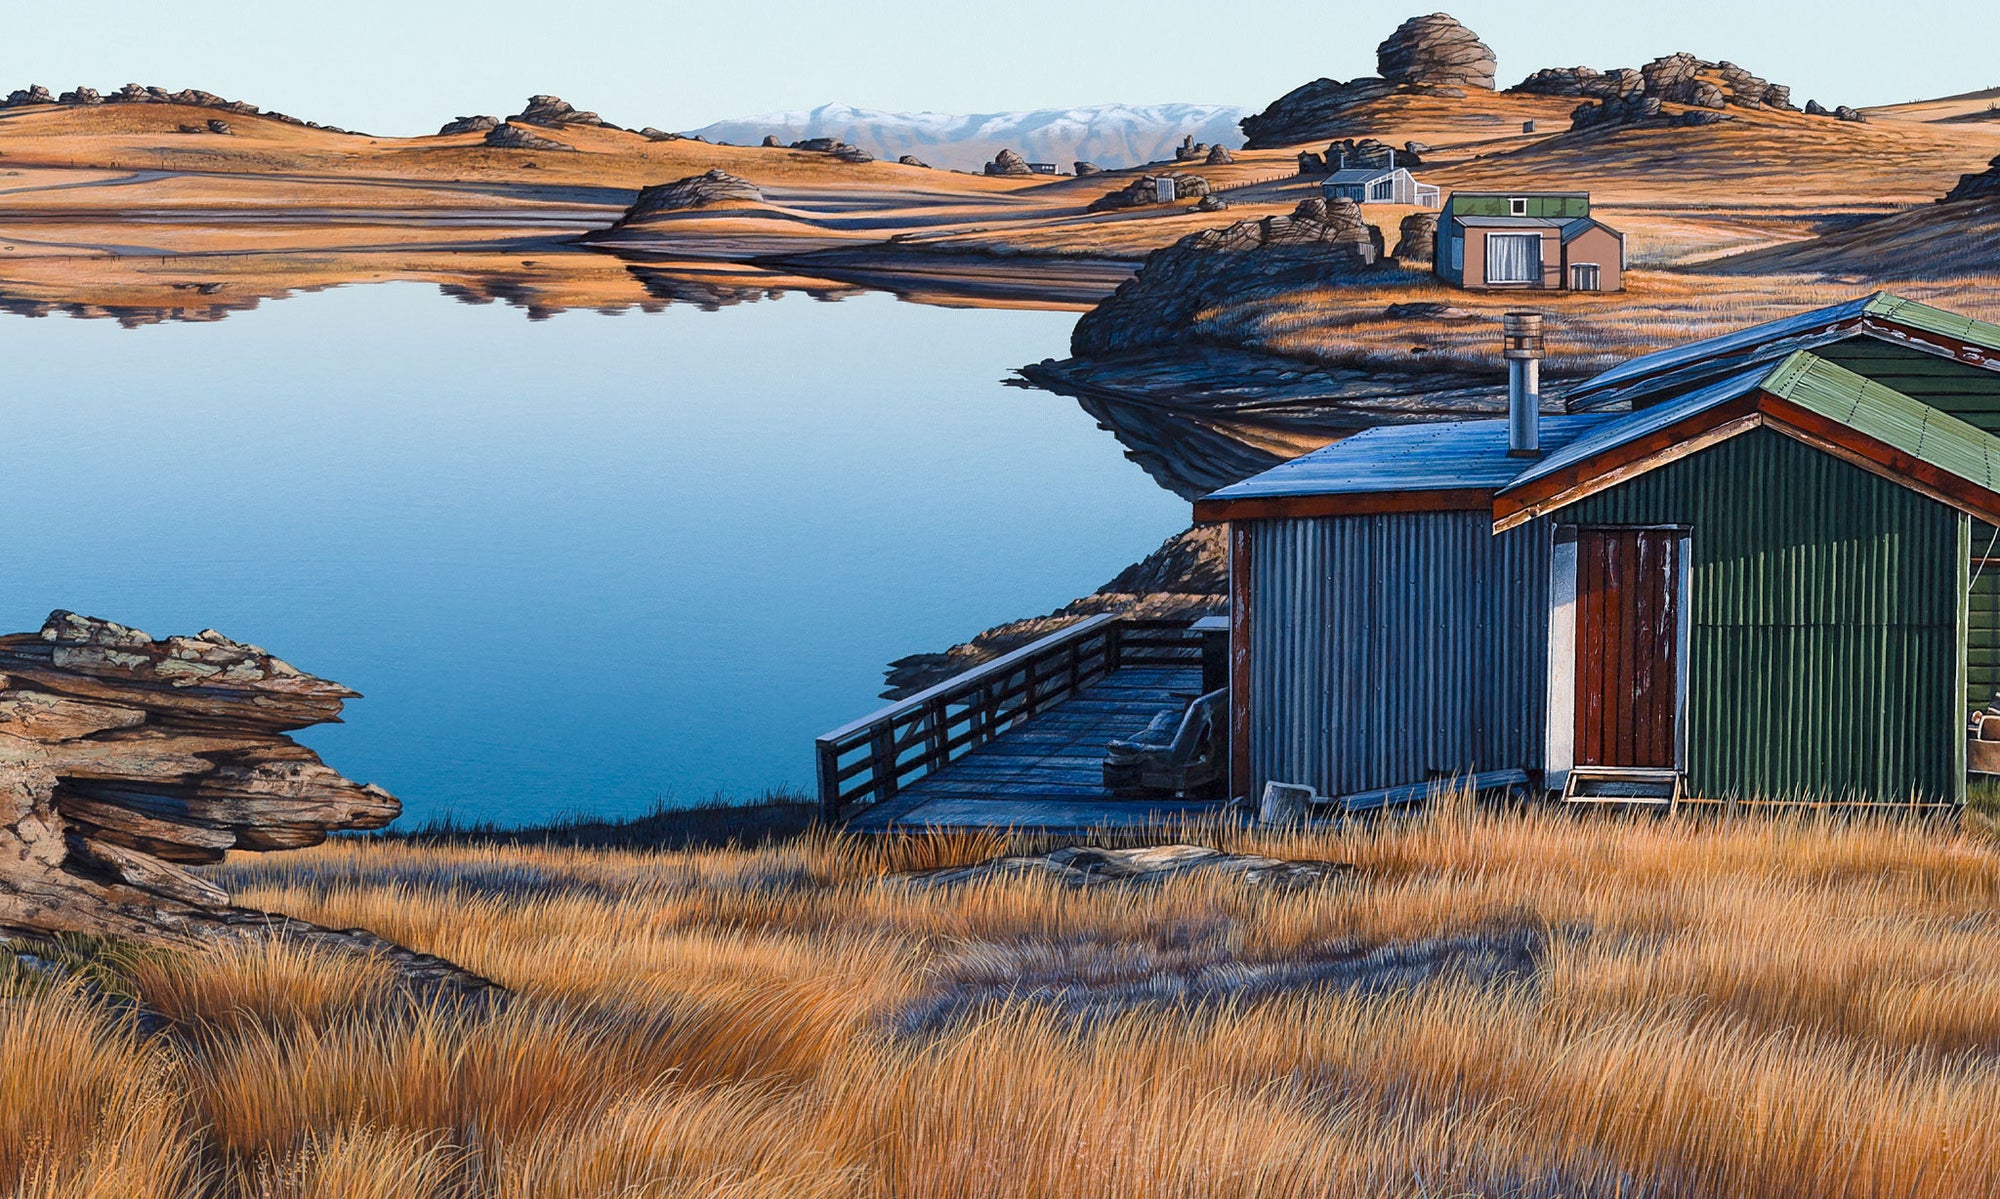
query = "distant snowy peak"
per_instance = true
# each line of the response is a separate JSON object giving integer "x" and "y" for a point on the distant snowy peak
{"x": 1110, "y": 135}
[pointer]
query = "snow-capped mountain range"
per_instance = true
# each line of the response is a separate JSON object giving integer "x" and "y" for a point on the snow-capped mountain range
{"x": 1110, "y": 135}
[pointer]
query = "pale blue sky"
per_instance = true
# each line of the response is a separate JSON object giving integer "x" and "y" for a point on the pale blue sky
{"x": 404, "y": 66}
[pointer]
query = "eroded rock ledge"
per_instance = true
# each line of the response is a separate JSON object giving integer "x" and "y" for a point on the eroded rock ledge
{"x": 125, "y": 760}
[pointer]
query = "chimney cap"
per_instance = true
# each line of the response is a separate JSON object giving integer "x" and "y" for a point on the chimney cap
{"x": 1521, "y": 335}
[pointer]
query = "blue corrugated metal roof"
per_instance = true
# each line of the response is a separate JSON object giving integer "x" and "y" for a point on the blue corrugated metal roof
{"x": 1445, "y": 456}
{"x": 1625, "y": 426}
{"x": 1748, "y": 339}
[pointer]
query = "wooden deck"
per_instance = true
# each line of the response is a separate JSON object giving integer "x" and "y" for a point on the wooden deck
{"x": 1045, "y": 773}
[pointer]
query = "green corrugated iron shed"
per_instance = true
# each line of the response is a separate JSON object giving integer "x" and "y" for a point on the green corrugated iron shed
{"x": 1842, "y": 579}
{"x": 1823, "y": 652}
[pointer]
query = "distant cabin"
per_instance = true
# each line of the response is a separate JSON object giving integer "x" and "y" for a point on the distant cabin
{"x": 1042, "y": 168}
{"x": 1529, "y": 240}
{"x": 1379, "y": 185}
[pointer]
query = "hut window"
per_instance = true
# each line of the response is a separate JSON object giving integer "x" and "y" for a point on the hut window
{"x": 1513, "y": 257}
{"x": 1518, "y": 206}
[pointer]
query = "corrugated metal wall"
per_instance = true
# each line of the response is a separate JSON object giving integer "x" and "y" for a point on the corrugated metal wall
{"x": 1824, "y": 656}
{"x": 1391, "y": 649}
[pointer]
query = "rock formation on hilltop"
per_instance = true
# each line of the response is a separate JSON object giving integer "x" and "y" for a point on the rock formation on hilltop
{"x": 1702, "y": 90}
{"x": 1432, "y": 55}
{"x": 124, "y": 760}
{"x": 706, "y": 190}
{"x": 715, "y": 186}
{"x": 550, "y": 111}
{"x": 1983, "y": 186}
{"x": 514, "y": 137}
{"x": 1153, "y": 309}
{"x": 480, "y": 124}
{"x": 1348, "y": 152}
{"x": 1007, "y": 162}
{"x": 1436, "y": 50}
{"x": 1145, "y": 190}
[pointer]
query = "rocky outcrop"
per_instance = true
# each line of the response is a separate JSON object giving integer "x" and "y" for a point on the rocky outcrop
{"x": 479, "y": 124}
{"x": 1634, "y": 97}
{"x": 706, "y": 190}
{"x": 1983, "y": 186}
{"x": 514, "y": 137}
{"x": 1007, "y": 162}
{"x": 1416, "y": 239}
{"x": 1081, "y": 168}
{"x": 81, "y": 96}
{"x": 222, "y": 127}
{"x": 1211, "y": 202}
{"x": 1431, "y": 55}
{"x": 551, "y": 111}
{"x": 771, "y": 142}
{"x": 1436, "y": 50}
{"x": 32, "y": 94}
{"x": 125, "y": 760}
{"x": 1318, "y": 242}
{"x": 1219, "y": 156}
{"x": 911, "y": 160}
{"x": 1146, "y": 190}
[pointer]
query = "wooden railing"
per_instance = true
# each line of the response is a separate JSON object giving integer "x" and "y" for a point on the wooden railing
{"x": 873, "y": 758}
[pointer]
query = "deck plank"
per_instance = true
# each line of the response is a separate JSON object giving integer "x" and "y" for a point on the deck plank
{"x": 1046, "y": 772}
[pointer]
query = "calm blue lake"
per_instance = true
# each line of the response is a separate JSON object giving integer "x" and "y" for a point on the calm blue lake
{"x": 582, "y": 565}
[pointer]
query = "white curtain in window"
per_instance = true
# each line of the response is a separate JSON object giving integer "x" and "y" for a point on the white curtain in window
{"x": 1513, "y": 257}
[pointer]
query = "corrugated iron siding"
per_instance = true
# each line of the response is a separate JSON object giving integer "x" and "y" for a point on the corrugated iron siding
{"x": 1824, "y": 655}
{"x": 1392, "y": 649}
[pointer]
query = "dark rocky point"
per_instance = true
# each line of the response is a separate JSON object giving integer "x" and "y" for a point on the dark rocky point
{"x": 514, "y": 137}
{"x": 478, "y": 124}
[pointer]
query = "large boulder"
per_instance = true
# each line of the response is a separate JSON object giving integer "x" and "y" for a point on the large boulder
{"x": 32, "y": 94}
{"x": 1316, "y": 244}
{"x": 125, "y": 760}
{"x": 1145, "y": 190}
{"x": 1416, "y": 239}
{"x": 514, "y": 137}
{"x": 550, "y": 111}
{"x": 712, "y": 188}
{"x": 1983, "y": 186}
{"x": 80, "y": 95}
{"x": 480, "y": 124}
{"x": 1007, "y": 162}
{"x": 1436, "y": 50}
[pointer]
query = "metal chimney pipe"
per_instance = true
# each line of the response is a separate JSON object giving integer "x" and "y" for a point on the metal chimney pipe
{"x": 1522, "y": 348}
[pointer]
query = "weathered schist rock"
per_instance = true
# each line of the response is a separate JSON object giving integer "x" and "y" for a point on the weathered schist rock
{"x": 1416, "y": 239}
{"x": 1145, "y": 190}
{"x": 1318, "y": 244}
{"x": 550, "y": 111}
{"x": 473, "y": 124}
{"x": 515, "y": 137}
{"x": 1983, "y": 186}
{"x": 1429, "y": 55}
{"x": 125, "y": 760}
{"x": 1701, "y": 89}
{"x": 712, "y": 187}
{"x": 1007, "y": 162}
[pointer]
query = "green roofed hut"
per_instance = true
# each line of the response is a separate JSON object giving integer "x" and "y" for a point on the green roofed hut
{"x": 1736, "y": 570}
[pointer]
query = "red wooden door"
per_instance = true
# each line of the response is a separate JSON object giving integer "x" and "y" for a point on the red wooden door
{"x": 1627, "y": 646}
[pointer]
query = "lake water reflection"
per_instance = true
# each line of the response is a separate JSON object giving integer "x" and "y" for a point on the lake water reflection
{"x": 584, "y": 564}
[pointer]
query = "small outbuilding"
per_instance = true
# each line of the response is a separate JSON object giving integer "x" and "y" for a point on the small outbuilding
{"x": 1739, "y": 570}
{"x": 1379, "y": 185}
{"x": 1527, "y": 241}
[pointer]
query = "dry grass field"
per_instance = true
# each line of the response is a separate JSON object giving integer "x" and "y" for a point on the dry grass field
{"x": 1490, "y": 1004}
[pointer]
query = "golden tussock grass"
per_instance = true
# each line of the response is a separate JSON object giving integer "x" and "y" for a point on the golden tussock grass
{"x": 1490, "y": 1003}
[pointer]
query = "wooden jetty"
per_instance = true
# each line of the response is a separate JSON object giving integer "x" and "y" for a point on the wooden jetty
{"x": 1019, "y": 742}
